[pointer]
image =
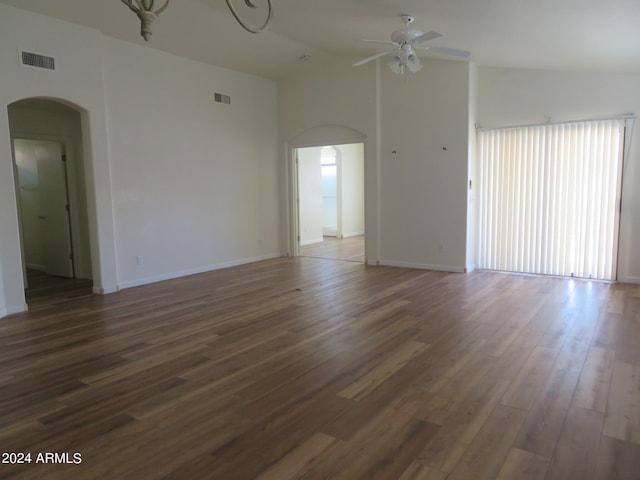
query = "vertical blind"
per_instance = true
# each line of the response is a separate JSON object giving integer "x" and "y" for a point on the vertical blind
{"x": 549, "y": 198}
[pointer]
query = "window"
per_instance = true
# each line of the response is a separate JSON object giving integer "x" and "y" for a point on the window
{"x": 549, "y": 198}
{"x": 329, "y": 172}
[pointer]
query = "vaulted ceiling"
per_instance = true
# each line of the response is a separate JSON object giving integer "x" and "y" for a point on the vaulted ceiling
{"x": 556, "y": 34}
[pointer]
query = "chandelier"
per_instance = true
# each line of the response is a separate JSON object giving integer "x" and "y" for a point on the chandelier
{"x": 144, "y": 9}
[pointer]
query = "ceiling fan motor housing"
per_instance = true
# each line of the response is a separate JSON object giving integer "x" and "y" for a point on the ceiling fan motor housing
{"x": 405, "y": 36}
{"x": 407, "y": 52}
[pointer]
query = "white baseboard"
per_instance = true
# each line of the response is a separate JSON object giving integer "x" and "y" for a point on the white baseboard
{"x": 195, "y": 271}
{"x": 35, "y": 266}
{"x": 423, "y": 266}
{"x": 631, "y": 280}
{"x": 311, "y": 242}
{"x": 13, "y": 310}
{"x": 352, "y": 234}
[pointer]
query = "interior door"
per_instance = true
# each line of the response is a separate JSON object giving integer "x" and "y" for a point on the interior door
{"x": 53, "y": 218}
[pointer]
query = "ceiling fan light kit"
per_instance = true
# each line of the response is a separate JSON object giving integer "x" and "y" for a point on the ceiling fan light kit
{"x": 144, "y": 9}
{"x": 405, "y": 41}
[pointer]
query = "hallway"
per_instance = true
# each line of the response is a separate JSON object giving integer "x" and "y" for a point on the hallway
{"x": 349, "y": 249}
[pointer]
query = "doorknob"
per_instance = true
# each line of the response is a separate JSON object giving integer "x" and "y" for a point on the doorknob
{"x": 41, "y": 217}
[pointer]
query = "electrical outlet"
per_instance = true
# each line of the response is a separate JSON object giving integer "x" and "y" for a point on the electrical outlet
{"x": 140, "y": 260}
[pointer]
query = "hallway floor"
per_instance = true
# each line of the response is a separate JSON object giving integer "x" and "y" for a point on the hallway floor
{"x": 44, "y": 290}
{"x": 350, "y": 249}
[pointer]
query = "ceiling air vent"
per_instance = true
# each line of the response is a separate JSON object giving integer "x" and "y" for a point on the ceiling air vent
{"x": 37, "y": 60}
{"x": 222, "y": 98}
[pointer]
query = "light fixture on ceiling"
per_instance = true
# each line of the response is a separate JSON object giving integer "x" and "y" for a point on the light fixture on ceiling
{"x": 250, "y": 4}
{"x": 144, "y": 9}
{"x": 406, "y": 59}
{"x": 404, "y": 42}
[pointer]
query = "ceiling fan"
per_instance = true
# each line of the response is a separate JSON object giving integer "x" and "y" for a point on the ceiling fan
{"x": 405, "y": 42}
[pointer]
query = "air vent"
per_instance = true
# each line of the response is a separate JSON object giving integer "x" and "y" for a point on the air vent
{"x": 222, "y": 98}
{"x": 37, "y": 60}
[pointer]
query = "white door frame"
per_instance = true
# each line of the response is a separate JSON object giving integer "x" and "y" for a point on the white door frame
{"x": 314, "y": 137}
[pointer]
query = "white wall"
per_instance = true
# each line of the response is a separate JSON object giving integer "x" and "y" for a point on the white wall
{"x": 196, "y": 183}
{"x": 351, "y": 179}
{"x": 424, "y": 194}
{"x": 310, "y": 195}
{"x": 518, "y": 96}
{"x": 171, "y": 176}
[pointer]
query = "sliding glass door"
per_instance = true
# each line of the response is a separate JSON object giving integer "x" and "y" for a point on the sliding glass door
{"x": 549, "y": 198}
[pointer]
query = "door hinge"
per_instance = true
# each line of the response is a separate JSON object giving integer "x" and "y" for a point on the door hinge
{"x": 298, "y": 238}
{"x": 71, "y": 256}
{"x": 66, "y": 207}
{"x": 64, "y": 157}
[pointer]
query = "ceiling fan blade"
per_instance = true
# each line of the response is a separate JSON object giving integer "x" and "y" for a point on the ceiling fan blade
{"x": 384, "y": 42}
{"x": 445, "y": 51}
{"x": 425, "y": 37}
{"x": 373, "y": 57}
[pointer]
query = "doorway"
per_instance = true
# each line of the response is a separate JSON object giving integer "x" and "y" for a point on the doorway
{"x": 330, "y": 193}
{"x": 51, "y": 199}
{"x": 44, "y": 206}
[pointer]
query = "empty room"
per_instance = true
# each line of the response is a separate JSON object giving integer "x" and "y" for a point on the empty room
{"x": 339, "y": 239}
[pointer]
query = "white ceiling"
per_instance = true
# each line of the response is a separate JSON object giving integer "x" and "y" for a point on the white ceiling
{"x": 556, "y": 34}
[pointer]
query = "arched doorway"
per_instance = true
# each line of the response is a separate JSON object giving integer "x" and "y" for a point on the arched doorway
{"x": 51, "y": 197}
{"x": 307, "y": 166}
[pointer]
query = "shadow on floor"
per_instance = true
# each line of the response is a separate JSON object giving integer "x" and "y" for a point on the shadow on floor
{"x": 44, "y": 290}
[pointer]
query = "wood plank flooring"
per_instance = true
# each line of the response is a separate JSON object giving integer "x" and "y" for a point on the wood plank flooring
{"x": 349, "y": 249}
{"x": 304, "y": 368}
{"x": 45, "y": 289}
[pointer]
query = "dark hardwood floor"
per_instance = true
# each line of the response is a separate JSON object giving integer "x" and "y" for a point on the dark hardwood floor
{"x": 44, "y": 289}
{"x": 304, "y": 368}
